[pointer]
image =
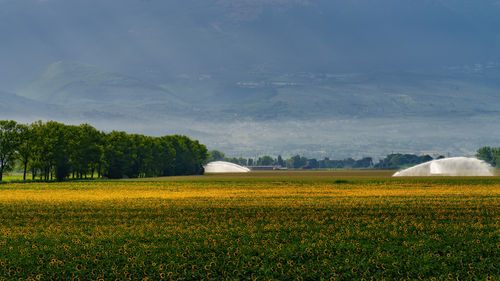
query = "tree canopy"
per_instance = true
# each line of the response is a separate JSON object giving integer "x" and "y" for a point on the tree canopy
{"x": 489, "y": 154}
{"x": 52, "y": 150}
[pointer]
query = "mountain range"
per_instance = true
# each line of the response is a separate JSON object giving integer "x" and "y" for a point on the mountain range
{"x": 316, "y": 77}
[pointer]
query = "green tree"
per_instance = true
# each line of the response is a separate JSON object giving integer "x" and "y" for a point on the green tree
{"x": 281, "y": 162}
{"x": 25, "y": 148}
{"x": 189, "y": 155}
{"x": 215, "y": 155}
{"x": 117, "y": 157}
{"x": 9, "y": 141}
{"x": 54, "y": 149}
{"x": 365, "y": 162}
{"x": 39, "y": 155}
{"x": 200, "y": 155}
{"x": 141, "y": 155}
{"x": 99, "y": 161}
{"x": 164, "y": 155}
{"x": 93, "y": 140}
{"x": 85, "y": 149}
{"x": 242, "y": 161}
{"x": 59, "y": 135}
{"x": 265, "y": 161}
{"x": 298, "y": 162}
{"x": 312, "y": 164}
{"x": 488, "y": 154}
{"x": 148, "y": 169}
{"x": 398, "y": 160}
{"x": 50, "y": 150}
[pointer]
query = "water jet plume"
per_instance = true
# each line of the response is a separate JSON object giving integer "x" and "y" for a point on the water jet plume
{"x": 225, "y": 167}
{"x": 454, "y": 166}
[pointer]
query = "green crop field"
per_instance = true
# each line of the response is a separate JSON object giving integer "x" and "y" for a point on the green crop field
{"x": 270, "y": 225}
{"x": 14, "y": 177}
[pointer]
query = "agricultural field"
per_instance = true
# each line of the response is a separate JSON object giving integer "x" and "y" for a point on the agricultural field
{"x": 10, "y": 177}
{"x": 342, "y": 225}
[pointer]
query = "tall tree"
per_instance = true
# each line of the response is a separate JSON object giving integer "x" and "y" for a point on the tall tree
{"x": 9, "y": 141}
{"x": 42, "y": 151}
{"x": 485, "y": 153}
{"x": 189, "y": 155}
{"x": 26, "y": 146}
{"x": 86, "y": 150}
{"x": 60, "y": 136}
{"x": 117, "y": 156}
{"x": 140, "y": 155}
{"x": 164, "y": 156}
{"x": 489, "y": 154}
{"x": 281, "y": 162}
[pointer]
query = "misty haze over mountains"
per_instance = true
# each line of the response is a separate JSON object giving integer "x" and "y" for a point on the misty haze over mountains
{"x": 316, "y": 77}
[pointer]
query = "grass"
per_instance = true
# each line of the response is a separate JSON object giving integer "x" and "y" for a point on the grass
{"x": 268, "y": 225}
{"x": 9, "y": 177}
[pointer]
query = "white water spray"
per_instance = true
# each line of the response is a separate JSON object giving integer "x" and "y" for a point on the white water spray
{"x": 455, "y": 166}
{"x": 225, "y": 167}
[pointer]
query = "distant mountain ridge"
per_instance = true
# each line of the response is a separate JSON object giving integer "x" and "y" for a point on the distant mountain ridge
{"x": 295, "y": 96}
{"x": 73, "y": 83}
{"x": 318, "y": 76}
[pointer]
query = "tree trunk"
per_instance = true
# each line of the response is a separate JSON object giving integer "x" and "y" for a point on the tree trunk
{"x": 25, "y": 168}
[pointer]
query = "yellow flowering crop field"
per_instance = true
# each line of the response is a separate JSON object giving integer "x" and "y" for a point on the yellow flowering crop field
{"x": 359, "y": 225}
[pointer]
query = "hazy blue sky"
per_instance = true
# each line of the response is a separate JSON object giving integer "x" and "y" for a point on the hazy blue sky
{"x": 378, "y": 75}
{"x": 163, "y": 37}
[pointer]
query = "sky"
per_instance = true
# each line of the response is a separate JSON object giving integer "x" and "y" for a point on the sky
{"x": 256, "y": 62}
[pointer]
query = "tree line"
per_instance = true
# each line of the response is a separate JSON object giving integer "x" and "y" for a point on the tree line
{"x": 391, "y": 161}
{"x": 489, "y": 154}
{"x": 52, "y": 150}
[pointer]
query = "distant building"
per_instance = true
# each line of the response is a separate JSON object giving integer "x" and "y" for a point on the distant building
{"x": 267, "y": 168}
